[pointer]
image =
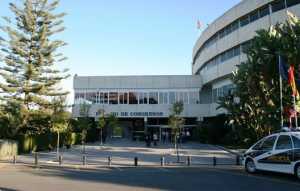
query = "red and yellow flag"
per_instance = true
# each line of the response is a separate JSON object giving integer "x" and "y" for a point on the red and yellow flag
{"x": 292, "y": 82}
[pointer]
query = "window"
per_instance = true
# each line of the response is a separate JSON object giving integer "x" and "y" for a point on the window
{"x": 254, "y": 16}
{"x": 278, "y": 5}
{"x": 228, "y": 30}
{"x": 186, "y": 98}
{"x": 113, "y": 98}
{"x": 215, "y": 95}
{"x": 220, "y": 92}
{"x": 236, "y": 51}
{"x": 133, "y": 98}
{"x": 103, "y": 98}
{"x": 290, "y": 3}
{"x": 123, "y": 98}
{"x": 163, "y": 98}
{"x": 257, "y": 146}
{"x": 235, "y": 26}
{"x": 79, "y": 98}
{"x": 222, "y": 33}
{"x": 230, "y": 54}
{"x": 284, "y": 142}
{"x": 268, "y": 144}
{"x": 244, "y": 21}
{"x": 296, "y": 141}
{"x": 172, "y": 99}
{"x": 264, "y": 11}
{"x": 246, "y": 46}
{"x": 91, "y": 97}
{"x": 153, "y": 98}
{"x": 223, "y": 57}
{"x": 194, "y": 97}
{"x": 143, "y": 98}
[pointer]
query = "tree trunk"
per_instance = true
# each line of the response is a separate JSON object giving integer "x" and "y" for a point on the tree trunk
{"x": 176, "y": 148}
{"x": 101, "y": 137}
{"x": 57, "y": 146}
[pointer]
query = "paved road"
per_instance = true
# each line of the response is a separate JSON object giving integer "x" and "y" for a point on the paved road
{"x": 208, "y": 179}
{"x": 123, "y": 152}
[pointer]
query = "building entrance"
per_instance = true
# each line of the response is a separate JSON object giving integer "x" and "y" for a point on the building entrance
{"x": 132, "y": 128}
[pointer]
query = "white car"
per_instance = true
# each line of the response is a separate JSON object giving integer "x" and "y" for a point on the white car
{"x": 278, "y": 152}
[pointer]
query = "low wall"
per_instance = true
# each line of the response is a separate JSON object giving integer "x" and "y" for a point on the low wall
{"x": 8, "y": 149}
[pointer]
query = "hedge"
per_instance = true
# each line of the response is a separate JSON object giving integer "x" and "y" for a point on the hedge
{"x": 43, "y": 142}
{"x": 8, "y": 149}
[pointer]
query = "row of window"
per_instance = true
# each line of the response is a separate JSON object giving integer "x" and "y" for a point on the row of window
{"x": 283, "y": 142}
{"x": 114, "y": 98}
{"x": 245, "y": 20}
{"x": 224, "y": 56}
{"x": 222, "y": 92}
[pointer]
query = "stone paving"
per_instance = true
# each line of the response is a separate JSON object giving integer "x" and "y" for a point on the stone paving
{"x": 123, "y": 153}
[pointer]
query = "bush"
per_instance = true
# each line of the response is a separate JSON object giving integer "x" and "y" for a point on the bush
{"x": 8, "y": 149}
{"x": 78, "y": 138}
{"x": 70, "y": 138}
{"x": 25, "y": 143}
{"x": 92, "y": 135}
{"x": 43, "y": 142}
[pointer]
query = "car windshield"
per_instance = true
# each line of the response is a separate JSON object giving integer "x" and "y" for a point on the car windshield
{"x": 296, "y": 135}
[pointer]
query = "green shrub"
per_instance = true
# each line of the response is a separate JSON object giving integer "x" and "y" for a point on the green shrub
{"x": 25, "y": 143}
{"x": 92, "y": 135}
{"x": 78, "y": 138}
{"x": 8, "y": 149}
{"x": 70, "y": 139}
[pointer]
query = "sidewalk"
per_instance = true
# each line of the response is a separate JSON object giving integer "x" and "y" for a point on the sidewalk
{"x": 123, "y": 152}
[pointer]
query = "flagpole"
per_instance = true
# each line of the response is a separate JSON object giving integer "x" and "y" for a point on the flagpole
{"x": 280, "y": 86}
{"x": 296, "y": 116}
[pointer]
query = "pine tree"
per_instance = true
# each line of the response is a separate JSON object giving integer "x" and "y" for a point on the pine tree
{"x": 30, "y": 54}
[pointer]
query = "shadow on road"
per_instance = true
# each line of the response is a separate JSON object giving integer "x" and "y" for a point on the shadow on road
{"x": 7, "y": 189}
{"x": 177, "y": 178}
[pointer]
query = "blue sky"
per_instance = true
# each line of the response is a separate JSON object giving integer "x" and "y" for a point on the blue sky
{"x": 132, "y": 37}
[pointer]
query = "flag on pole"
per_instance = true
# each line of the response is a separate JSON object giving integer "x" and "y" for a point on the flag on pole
{"x": 283, "y": 69}
{"x": 199, "y": 25}
{"x": 291, "y": 80}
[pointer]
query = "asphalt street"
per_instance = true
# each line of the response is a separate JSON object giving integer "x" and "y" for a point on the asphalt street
{"x": 200, "y": 178}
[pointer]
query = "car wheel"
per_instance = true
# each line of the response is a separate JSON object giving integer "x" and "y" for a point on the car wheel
{"x": 297, "y": 171}
{"x": 250, "y": 166}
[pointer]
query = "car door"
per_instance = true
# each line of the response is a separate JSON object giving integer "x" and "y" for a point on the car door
{"x": 296, "y": 143}
{"x": 266, "y": 148}
{"x": 282, "y": 156}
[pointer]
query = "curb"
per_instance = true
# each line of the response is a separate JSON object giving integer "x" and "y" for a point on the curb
{"x": 96, "y": 168}
{"x": 113, "y": 166}
{"x": 229, "y": 150}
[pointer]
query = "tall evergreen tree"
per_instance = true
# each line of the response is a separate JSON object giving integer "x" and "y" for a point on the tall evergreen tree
{"x": 30, "y": 54}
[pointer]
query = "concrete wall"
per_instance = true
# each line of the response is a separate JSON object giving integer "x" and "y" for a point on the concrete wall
{"x": 137, "y": 82}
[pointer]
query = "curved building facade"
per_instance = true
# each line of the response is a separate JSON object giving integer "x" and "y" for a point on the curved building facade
{"x": 221, "y": 46}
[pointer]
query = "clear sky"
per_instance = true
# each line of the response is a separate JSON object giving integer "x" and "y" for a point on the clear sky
{"x": 132, "y": 37}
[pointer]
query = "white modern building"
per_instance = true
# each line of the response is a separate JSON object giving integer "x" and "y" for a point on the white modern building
{"x": 143, "y": 102}
{"x": 221, "y": 46}
{"x": 140, "y": 102}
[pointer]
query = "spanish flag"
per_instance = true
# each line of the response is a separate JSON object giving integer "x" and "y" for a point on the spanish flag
{"x": 291, "y": 80}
